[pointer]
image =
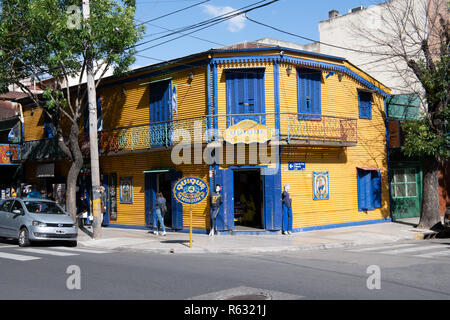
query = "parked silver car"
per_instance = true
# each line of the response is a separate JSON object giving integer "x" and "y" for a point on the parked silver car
{"x": 28, "y": 219}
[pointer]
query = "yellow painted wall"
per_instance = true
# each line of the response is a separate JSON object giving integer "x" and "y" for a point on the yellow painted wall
{"x": 134, "y": 165}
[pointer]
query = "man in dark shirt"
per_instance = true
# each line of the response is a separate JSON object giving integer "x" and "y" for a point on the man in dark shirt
{"x": 216, "y": 202}
{"x": 287, "y": 210}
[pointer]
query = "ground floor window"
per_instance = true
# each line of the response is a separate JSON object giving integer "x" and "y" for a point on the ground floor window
{"x": 369, "y": 189}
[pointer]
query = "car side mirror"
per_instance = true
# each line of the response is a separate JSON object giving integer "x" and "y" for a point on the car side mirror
{"x": 18, "y": 212}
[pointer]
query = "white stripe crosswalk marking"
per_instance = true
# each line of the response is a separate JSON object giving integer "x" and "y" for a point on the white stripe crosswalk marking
{"x": 80, "y": 250}
{"x": 8, "y": 246}
{"x": 53, "y": 253}
{"x": 381, "y": 248}
{"x": 434, "y": 254}
{"x": 422, "y": 248}
{"x": 18, "y": 257}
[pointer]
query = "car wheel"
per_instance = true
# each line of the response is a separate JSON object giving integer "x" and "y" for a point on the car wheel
{"x": 24, "y": 240}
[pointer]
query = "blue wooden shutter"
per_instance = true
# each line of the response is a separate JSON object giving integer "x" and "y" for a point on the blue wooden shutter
{"x": 48, "y": 127}
{"x": 177, "y": 207}
{"x": 365, "y": 104}
{"x": 225, "y": 217}
{"x": 150, "y": 197}
{"x": 160, "y": 113}
{"x": 245, "y": 95}
{"x": 105, "y": 183}
{"x": 376, "y": 189}
{"x": 364, "y": 190}
{"x": 309, "y": 87}
{"x": 272, "y": 201}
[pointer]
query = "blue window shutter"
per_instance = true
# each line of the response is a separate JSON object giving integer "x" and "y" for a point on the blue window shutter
{"x": 48, "y": 130}
{"x": 177, "y": 207}
{"x": 272, "y": 201}
{"x": 365, "y": 104}
{"x": 225, "y": 217}
{"x": 364, "y": 190}
{"x": 159, "y": 101}
{"x": 150, "y": 197}
{"x": 309, "y": 88}
{"x": 105, "y": 183}
{"x": 99, "y": 114}
{"x": 376, "y": 189}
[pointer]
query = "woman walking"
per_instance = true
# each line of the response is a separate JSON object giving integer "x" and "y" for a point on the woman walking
{"x": 160, "y": 205}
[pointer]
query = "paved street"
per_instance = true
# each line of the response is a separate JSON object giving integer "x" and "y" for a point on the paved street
{"x": 408, "y": 270}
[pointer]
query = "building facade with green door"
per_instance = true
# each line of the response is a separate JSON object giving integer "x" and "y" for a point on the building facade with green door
{"x": 405, "y": 173}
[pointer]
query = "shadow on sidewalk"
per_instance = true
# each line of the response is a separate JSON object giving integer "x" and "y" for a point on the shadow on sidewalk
{"x": 183, "y": 242}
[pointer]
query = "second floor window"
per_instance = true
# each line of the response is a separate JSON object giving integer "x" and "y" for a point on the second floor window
{"x": 365, "y": 104}
{"x": 309, "y": 83}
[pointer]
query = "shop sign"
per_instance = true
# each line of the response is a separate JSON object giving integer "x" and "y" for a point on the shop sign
{"x": 247, "y": 131}
{"x": 112, "y": 196}
{"x": 190, "y": 190}
{"x": 394, "y": 134}
{"x": 297, "y": 166}
{"x": 321, "y": 186}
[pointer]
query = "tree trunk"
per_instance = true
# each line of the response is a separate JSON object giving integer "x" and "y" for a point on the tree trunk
{"x": 77, "y": 163}
{"x": 430, "y": 217}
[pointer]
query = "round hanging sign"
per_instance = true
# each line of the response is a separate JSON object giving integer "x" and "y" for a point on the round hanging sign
{"x": 190, "y": 190}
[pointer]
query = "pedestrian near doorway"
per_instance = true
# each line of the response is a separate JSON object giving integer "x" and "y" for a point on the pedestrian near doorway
{"x": 287, "y": 210}
{"x": 216, "y": 202}
{"x": 160, "y": 204}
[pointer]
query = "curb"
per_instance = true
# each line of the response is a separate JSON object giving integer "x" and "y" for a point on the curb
{"x": 255, "y": 250}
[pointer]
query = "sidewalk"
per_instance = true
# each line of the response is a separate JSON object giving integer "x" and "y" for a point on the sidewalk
{"x": 131, "y": 240}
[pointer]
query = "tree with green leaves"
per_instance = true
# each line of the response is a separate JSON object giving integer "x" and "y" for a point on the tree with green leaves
{"x": 407, "y": 43}
{"x": 49, "y": 39}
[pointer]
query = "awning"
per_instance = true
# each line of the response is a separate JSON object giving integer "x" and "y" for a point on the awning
{"x": 159, "y": 170}
{"x": 8, "y": 124}
{"x": 46, "y": 170}
{"x": 369, "y": 168}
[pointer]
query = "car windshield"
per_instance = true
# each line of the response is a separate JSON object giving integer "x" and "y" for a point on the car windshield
{"x": 43, "y": 207}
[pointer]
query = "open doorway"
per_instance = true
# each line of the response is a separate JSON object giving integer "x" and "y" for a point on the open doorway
{"x": 248, "y": 210}
{"x": 163, "y": 185}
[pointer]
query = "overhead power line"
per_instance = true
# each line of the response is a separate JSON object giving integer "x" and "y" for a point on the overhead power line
{"x": 208, "y": 23}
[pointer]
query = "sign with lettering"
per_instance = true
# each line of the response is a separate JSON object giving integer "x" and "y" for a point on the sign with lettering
{"x": 394, "y": 134}
{"x": 190, "y": 190}
{"x": 296, "y": 166}
{"x": 247, "y": 131}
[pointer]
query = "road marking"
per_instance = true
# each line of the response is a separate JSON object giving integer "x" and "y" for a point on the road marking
{"x": 17, "y": 256}
{"x": 381, "y": 248}
{"x": 434, "y": 254}
{"x": 422, "y": 248}
{"x": 8, "y": 246}
{"x": 53, "y": 253}
{"x": 80, "y": 250}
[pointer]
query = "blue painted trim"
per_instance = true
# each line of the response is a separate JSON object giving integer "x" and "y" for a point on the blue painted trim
{"x": 280, "y": 48}
{"x": 215, "y": 101}
{"x": 208, "y": 93}
{"x": 276, "y": 81}
{"x": 300, "y": 61}
{"x": 387, "y": 153}
{"x": 341, "y": 225}
{"x": 205, "y": 231}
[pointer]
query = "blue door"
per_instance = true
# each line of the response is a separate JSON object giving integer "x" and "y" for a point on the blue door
{"x": 150, "y": 197}
{"x": 105, "y": 183}
{"x": 309, "y": 93}
{"x": 160, "y": 113}
{"x": 177, "y": 207}
{"x": 272, "y": 201}
{"x": 245, "y": 95}
{"x": 225, "y": 217}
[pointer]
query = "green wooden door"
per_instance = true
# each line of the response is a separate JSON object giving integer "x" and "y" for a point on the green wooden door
{"x": 406, "y": 190}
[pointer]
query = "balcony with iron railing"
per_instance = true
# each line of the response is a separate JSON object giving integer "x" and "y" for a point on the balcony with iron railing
{"x": 287, "y": 128}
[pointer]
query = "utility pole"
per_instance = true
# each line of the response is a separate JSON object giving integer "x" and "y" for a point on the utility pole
{"x": 95, "y": 168}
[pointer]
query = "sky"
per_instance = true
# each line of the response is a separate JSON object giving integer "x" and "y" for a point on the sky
{"x": 296, "y": 16}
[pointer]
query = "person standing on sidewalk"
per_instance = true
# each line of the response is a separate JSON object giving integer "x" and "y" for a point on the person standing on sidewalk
{"x": 216, "y": 202}
{"x": 287, "y": 210}
{"x": 160, "y": 204}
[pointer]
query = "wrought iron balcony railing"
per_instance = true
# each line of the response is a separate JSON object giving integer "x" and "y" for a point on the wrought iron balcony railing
{"x": 294, "y": 128}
